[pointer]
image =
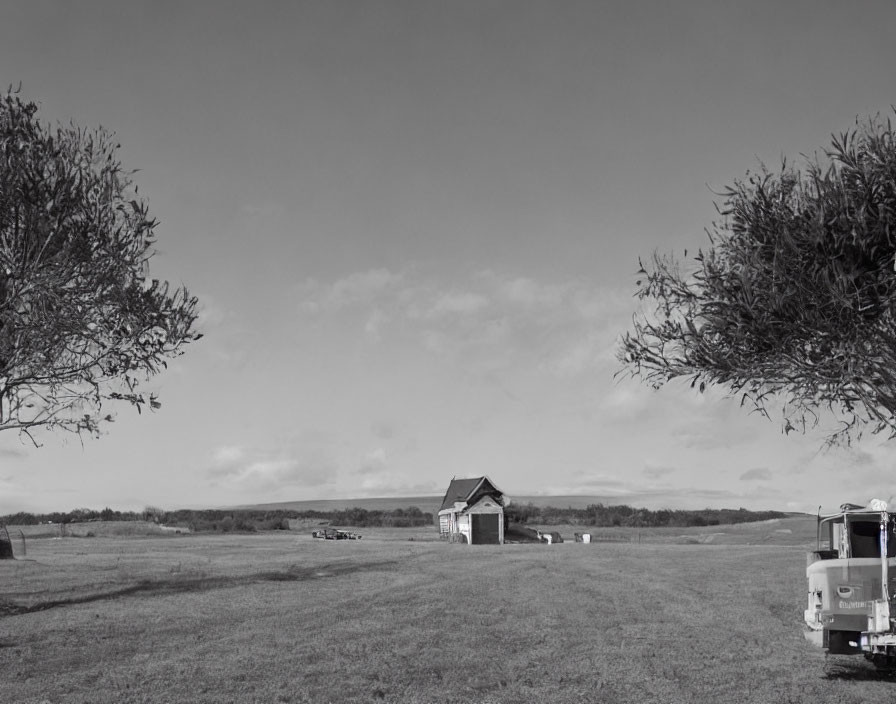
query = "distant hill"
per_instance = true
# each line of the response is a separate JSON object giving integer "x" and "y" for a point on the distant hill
{"x": 431, "y": 504}
{"x": 427, "y": 504}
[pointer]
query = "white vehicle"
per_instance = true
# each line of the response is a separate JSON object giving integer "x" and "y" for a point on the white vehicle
{"x": 851, "y": 579}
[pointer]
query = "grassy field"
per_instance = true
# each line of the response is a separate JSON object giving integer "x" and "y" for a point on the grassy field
{"x": 684, "y": 616}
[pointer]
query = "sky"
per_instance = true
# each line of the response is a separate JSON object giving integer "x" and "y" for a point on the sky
{"x": 414, "y": 226}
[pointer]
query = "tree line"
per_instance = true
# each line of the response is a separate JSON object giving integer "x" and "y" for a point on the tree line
{"x": 217, "y": 520}
{"x": 248, "y": 520}
{"x": 628, "y": 516}
{"x": 255, "y": 520}
{"x": 78, "y": 515}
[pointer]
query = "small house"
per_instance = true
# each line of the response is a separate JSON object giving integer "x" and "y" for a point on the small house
{"x": 473, "y": 508}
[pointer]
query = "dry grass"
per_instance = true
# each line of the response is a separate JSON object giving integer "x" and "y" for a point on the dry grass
{"x": 284, "y": 618}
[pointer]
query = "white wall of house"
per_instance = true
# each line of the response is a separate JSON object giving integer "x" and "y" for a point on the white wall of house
{"x": 465, "y": 526}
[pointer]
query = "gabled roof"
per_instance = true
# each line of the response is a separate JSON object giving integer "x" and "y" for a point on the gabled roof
{"x": 464, "y": 489}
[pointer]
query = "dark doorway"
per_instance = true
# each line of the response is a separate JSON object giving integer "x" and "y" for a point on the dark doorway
{"x": 485, "y": 529}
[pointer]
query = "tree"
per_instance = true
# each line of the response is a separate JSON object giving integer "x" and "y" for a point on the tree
{"x": 81, "y": 322}
{"x": 793, "y": 301}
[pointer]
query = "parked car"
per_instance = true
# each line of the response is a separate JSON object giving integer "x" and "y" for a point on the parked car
{"x": 334, "y": 534}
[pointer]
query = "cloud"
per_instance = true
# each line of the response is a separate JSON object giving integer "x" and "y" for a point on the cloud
{"x": 484, "y": 320}
{"x": 527, "y": 292}
{"x": 363, "y": 285}
{"x": 655, "y": 472}
{"x": 579, "y": 356}
{"x": 713, "y": 420}
{"x": 229, "y": 340}
{"x": 375, "y": 323}
{"x": 756, "y": 474}
{"x": 861, "y": 458}
{"x": 705, "y": 432}
{"x": 628, "y": 401}
{"x": 374, "y": 462}
{"x": 12, "y": 453}
{"x": 14, "y": 496}
{"x": 252, "y": 468}
{"x": 263, "y": 210}
{"x": 382, "y": 429}
{"x": 227, "y": 459}
{"x": 457, "y": 303}
{"x": 211, "y": 314}
{"x": 375, "y": 476}
{"x": 356, "y": 288}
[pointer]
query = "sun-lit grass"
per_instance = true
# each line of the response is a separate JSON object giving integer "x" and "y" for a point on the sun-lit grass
{"x": 284, "y": 618}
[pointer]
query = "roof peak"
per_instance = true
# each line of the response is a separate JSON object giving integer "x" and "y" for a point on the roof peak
{"x": 461, "y": 490}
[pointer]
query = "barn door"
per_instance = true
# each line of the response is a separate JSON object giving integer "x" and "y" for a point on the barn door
{"x": 485, "y": 529}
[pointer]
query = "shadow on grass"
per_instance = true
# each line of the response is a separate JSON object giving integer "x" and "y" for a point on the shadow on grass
{"x": 857, "y": 670}
{"x": 185, "y": 584}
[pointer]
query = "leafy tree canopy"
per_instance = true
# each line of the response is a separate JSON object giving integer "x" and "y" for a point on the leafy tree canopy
{"x": 81, "y": 322}
{"x": 793, "y": 300}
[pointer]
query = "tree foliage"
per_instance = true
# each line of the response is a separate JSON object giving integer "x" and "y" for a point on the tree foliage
{"x": 624, "y": 515}
{"x": 81, "y": 322}
{"x": 221, "y": 520}
{"x": 793, "y": 301}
